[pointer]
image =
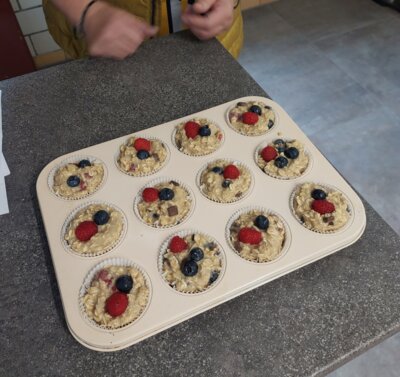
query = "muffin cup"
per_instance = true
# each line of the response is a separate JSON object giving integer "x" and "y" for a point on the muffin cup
{"x": 228, "y": 121}
{"x": 151, "y": 138}
{"x": 155, "y": 182}
{"x": 286, "y": 243}
{"x": 114, "y": 245}
{"x": 327, "y": 188}
{"x": 202, "y": 154}
{"x": 184, "y": 233}
{"x": 88, "y": 280}
{"x": 74, "y": 160}
{"x": 264, "y": 144}
{"x": 229, "y": 161}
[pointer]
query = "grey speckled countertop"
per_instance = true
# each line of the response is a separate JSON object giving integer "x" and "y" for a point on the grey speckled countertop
{"x": 305, "y": 323}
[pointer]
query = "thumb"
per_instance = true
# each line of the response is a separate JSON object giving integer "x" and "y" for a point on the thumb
{"x": 149, "y": 30}
{"x": 203, "y": 6}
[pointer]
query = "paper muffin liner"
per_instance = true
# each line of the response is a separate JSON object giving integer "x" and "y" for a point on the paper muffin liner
{"x": 138, "y": 199}
{"x": 286, "y": 243}
{"x": 111, "y": 247}
{"x": 151, "y": 138}
{"x": 74, "y": 160}
{"x": 201, "y": 154}
{"x": 229, "y": 161}
{"x": 327, "y": 188}
{"x": 265, "y": 143}
{"x": 88, "y": 280}
{"x": 228, "y": 121}
{"x": 184, "y": 233}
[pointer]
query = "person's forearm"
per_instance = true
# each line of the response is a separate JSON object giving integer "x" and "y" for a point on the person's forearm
{"x": 72, "y": 9}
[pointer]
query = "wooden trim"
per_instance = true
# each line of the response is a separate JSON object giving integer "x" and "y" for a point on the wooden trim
{"x": 50, "y": 58}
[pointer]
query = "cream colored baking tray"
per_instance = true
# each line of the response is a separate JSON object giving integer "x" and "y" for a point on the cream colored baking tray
{"x": 141, "y": 243}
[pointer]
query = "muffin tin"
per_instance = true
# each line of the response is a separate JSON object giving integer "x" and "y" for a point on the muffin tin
{"x": 141, "y": 243}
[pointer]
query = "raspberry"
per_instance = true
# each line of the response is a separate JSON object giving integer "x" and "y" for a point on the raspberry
{"x": 249, "y": 118}
{"x": 141, "y": 144}
{"x": 250, "y": 236}
{"x": 85, "y": 230}
{"x": 178, "y": 244}
{"x": 116, "y": 304}
{"x": 269, "y": 153}
{"x": 150, "y": 194}
{"x": 231, "y": 172}
{"x": 322, "y": 206}
{"x": 192, "y": 129}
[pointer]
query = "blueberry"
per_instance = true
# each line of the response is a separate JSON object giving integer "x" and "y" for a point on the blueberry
{"x": 196, "y": 254}
{"x": 204, "y": 131}
{"x": 73, "y": 181}
{"x": 189, "y": 267}
{"x": 226, "y": 183}
{"x": 166, "y": 194}
{"x": 101, "y": 217}
{"x": 83, "y": 163}
{"x": 214, "y": 276}
{"x": 124, "y": 283}
{"x": 142, "y": 154}
{"x": 292, "y": 153}
{"x": 280, "y": 162}
{"x": 261, "y": 222}
{"x": 217, "y": 170}
{"x": 255, "y": 109}
{"x": 318, "y": 194}
{"x": 280, "y": 145}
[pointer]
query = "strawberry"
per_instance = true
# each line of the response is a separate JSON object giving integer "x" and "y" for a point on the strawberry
{"x": 178, "y": 244}
{"x": 103, "y": 275}
{"x": 322, "y": 206}
{"x": 116, "y": 304}
{"x": 192, "y": 129}
{"x": 249, "y": 118}
{"x": 150, "y": 194}
{"x": 250, "y": 236}
{"x": 269, "y": 153}
{"x": 141, "y": 144}
{"x": 85, "y": 230}
{"x": 231, "y": 172}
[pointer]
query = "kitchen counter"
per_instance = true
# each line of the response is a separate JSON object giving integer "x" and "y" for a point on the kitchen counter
{"x": 305, "y": 323}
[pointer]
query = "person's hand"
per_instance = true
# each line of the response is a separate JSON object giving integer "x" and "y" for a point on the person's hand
{"x": 208, "y": 18}
{"x": 113, "y": 33}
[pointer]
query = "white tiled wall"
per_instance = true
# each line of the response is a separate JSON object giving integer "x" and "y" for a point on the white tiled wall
{"x": 31, "y": 19}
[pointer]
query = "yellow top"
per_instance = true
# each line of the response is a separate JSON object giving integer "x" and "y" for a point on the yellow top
{"x": 75, "y": 47}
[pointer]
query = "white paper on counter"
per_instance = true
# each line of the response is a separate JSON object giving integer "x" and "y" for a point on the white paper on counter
{"x": 3, "y": 172}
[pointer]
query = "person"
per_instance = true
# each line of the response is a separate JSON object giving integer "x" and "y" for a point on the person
{"x": 116, "y": 28}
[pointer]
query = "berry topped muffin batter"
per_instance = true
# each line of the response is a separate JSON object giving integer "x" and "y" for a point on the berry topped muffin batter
{"x": 198, "y": 137}
{"x": 224, "y": 181}
{"x": 252, "y": 118}
{"x": 257, "y": 236}
{"x": 95, "y": 229}
{"x": 191, "y": 263}
{"x": 165, "y": 204}
{"x": 116, "y": 297}
{"x": 283, "y": 159}
{"x": 74, "y": 181}
{"x": 320, "y": 208}
{"x": 140, "y": 156}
